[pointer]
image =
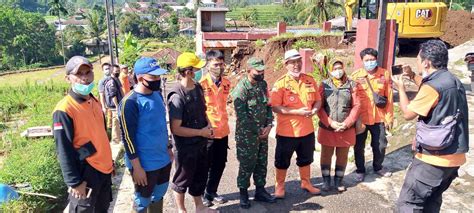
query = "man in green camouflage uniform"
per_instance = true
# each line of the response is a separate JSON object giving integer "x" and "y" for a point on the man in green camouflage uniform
{"x": 254, "y": 122}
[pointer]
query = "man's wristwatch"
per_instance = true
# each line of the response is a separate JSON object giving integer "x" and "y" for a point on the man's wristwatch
{"x": 170, "y": 146}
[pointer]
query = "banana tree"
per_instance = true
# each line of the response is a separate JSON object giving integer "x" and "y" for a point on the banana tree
{"x": 131, "y": 50}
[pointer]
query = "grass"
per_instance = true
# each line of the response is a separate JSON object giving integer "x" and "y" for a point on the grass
{"x": 21, "y": 78}
{"x": 50, "y": 19}
{"x": 266, "y": 14}
{"x": 155, "y": 45}
{"x": 30, "y": 161}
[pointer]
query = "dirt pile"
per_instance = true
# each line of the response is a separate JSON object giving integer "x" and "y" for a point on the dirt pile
{"x": 459, "y": 28}
{"x": 272, "y": 53}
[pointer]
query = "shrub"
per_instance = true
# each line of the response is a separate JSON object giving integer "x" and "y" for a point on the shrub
{"x": 279, "y": 64}
{"x": 259, "y": 43}
{"x": 300, "y": 44}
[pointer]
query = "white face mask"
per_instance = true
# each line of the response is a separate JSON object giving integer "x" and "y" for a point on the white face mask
{"x": 337, "y": 73}
{"x": 295, "y": 74}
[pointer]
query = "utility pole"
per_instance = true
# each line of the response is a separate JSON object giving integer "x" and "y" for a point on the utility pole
{"x": 109, "y": 39}
{"x": 382, "y": 17}
{"x": 115, "y": 32}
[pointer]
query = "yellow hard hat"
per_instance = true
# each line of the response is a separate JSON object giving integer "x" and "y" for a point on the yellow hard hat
{"x": 188, "y": 59}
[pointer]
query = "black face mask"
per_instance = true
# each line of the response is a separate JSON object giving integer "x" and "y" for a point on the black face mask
{"x": 116, "y": 75}
{"x": 258, "y": 77}
{"x": 153, "y": 85}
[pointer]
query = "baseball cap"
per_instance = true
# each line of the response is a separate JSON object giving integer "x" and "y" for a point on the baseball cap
{"x": 75, "y": 62}
{"x": 146, "y": 65}
{"x": 188, "y": 59}
{"x": 292, "y": 55}
{"x": 256, "y": 63}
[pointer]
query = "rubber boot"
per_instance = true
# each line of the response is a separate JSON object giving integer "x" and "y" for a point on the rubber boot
{"x": 305, "y": 172}
{"x": 244, "y": 199}
{"x": 156, "y": 207}
{"x": 325, "y": 171}
{"x": 262, "y": 195}
{"x": 280, "y": 177}
{"x": 338, "y": 184}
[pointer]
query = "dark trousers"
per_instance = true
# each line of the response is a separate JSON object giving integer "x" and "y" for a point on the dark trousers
{"x": 217, "y": 154}
{"x": 378, "y": 144}
{"x": 191, "y": 168}
{"x": 286, "y": 146}
{"x": 101, "y": 195}
{"x": 424, "y": 186}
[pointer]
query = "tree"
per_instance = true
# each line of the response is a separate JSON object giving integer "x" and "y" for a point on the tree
{"x": 25, "y": 38}
{"x": 56, "y": 8}
{"x": 188, "y": 13}
{"x": 173, "y": 25}
{"x": 73, "y": 33}
{"x": 130, "y": 22}
{"x": 316, "y": 11}
{"x": 95, "y": 25}
{"x": 183, "y": 44}
{"x": 131, "y": 50}
{"x": 76, "y": 48}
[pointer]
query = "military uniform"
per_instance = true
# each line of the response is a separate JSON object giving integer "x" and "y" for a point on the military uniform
{"x": 251, "y": 104}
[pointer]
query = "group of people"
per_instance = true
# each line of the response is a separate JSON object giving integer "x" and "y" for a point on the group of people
{"x": 348, "y": 108}
{"x": 116, "y": 83}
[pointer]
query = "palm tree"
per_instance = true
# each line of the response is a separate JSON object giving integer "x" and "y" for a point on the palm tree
{"x": 316, "y": 10}
{"x": 95, "y": 27}
{"x": 56, "y": 8}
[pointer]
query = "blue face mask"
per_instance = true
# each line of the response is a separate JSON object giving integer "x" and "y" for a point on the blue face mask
{"x": 197, "y": 75}
{"x": 82, "y": 89}
{"x": 370, "y": 65}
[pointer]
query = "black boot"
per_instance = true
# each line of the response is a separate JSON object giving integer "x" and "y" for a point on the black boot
{"x": 326, "y": 183}
{"x": 338, "y": 184}
{"x": 244, "y": 199}
{"x": 325, "y": 171}
{"x": 262, "y": 195}
{"x": 338, "y": 179}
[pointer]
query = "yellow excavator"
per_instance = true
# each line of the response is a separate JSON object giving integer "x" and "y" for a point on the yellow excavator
{"x": 415, "y": 19}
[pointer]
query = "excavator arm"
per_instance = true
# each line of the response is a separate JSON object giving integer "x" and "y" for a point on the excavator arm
{"x": 348, "y": 7}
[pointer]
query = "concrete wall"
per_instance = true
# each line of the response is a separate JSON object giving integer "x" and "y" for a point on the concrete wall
{"x": 212, "y": 21}
{"x": 218, "y": 21}
{"x": 367, "y": 33}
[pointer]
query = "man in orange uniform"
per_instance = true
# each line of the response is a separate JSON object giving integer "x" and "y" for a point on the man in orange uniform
{"x": 375, "y": 113}
{"x": 216, "y": 89}
{"x": 82, "y": 145}
{"x": 124, "y": 80}
{"x": 295, "y": 99}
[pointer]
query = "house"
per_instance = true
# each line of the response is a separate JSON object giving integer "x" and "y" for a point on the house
{"x": 189, "y": 31}
{"x": 140, "y": 8}
{"x": 211, "y": 32}
{"x": 74, "y": 20}
{"x": 167, "y": 57}
{"x": 92, "y": 48}
{"x": 186, "y": 22}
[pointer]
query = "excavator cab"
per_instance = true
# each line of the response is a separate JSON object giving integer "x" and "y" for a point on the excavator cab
{"x": 416, "y": 19}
